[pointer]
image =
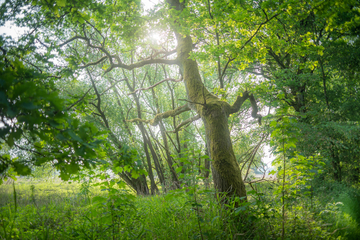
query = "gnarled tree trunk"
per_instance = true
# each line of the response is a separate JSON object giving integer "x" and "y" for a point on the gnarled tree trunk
{"x": 214, "y": 113}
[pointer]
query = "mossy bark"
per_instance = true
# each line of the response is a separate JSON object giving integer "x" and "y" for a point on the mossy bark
{"x": 225, "y": 169}
{"x": 214, "y": 113}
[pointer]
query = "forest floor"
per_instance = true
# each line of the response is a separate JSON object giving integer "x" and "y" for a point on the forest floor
{"x": 47, "y": 209}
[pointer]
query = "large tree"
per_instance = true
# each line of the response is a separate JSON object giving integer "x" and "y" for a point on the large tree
{"x": 89, "y": 34}
{"x": 105, "y": 44}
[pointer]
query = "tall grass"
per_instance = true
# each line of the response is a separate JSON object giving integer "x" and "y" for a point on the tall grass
{"x": 59, "y": 210}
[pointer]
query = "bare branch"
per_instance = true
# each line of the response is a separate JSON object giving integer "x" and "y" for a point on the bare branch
{"x": 142, "y": 63}
{"x": 167, "y": 79}
{"x": 119, "y": 64}
{"x": 186, "y": 122}
{"x": 112, "y": 85}
{"x": 240, "y": 100}
{"x": 203, "y": 104}
{"x": 88, "y": 40}
{"x": 136, "y": 120}
{"x": 95, "y": 29}
{"x": 93, "y": 63}
{"x": 72, "y": 39}
{"x": 155, "y": 121}
{"x": 166, "y": 53}
{"x": 226, "y": 66}
{"x": 258, "y": 29}
{"x": 251, "y": 37}
{"x": 29, "y": 150}
{"x": 79, "y": 100}
{"x": 252, "y": 156}
{"x": 254, "y": 112}
{"x": 52, "y": 76}
{"x": 42, "y": 43}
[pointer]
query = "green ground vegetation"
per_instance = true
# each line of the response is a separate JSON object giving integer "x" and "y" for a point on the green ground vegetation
{"x": 79, "y": 210}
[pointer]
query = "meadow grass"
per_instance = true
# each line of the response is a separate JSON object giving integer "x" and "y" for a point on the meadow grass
{"x": 59, "y": 210}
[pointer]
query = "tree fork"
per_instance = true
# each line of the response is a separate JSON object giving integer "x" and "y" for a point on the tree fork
{"x": 214, "y": 113}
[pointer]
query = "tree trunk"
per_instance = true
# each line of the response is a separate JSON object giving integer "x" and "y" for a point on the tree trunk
{"x": 174, "y": 177}
{"x": 158, "y": 168}
{"x": 139, "y": 184}
{"x": 225, "y": 169}
{"x": 207, "y": 167}
{"x": 214, "y": 113}
{"x": 154, "y": 188}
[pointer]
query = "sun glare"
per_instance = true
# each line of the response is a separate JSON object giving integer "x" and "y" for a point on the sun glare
{"x": 149, "y": 4}
{"x": 155, "y": 37}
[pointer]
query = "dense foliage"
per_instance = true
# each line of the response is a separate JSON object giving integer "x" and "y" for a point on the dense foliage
{"x": 181, "y": 101}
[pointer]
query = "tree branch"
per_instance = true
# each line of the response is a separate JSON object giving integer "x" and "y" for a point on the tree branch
{"x": 186, "y": 122}
{"x": 155, "y": 121}
{"x": 166, "y": 53}
{"x": 254, "y": 112}
{"x": 119, "y": 64}
{"x": 240, "y": 100}
{"x": 141, "y": 64}
{"x": 79, "y": 100}
{"x": 72, "y": 39}
{"x": 167, "y": 79}
{"x": 112, "y": 85}
{"x": 258, "y": 29}
{"x": 93, "y": 63}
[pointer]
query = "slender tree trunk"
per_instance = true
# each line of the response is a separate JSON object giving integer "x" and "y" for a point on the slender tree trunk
{"x": 154, "y": 188}
{"x": 174, "y": 177}
{"x": 158, "y": 169}
{"x": 139, "y": 184}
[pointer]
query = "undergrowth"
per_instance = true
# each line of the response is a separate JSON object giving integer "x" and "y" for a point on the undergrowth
{"x": 58, "y": 210}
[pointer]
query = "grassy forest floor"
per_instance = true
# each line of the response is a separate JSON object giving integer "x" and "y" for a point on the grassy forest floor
{"x": 47, "y": 209}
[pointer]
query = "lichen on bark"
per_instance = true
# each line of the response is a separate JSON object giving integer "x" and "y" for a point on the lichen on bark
{"x": 214, "y": 113}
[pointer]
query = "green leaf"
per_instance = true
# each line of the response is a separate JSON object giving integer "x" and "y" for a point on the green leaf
{"x": 61, "y": 137}
{"x": 213, "y": 220}
{"x": 3, "y": 98}
{"x": 273, "y": 124}
{"x": 29, "y": 106}
{"x": 135, "y": 174}
{"x": 21, "y": 169}
{"x": 10, "y": 140}
{"x": 61, "y": 3}
{"x": 4, "y": 131}
{"x": 17, "y": 134}
{"x": 74, "y": 136}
